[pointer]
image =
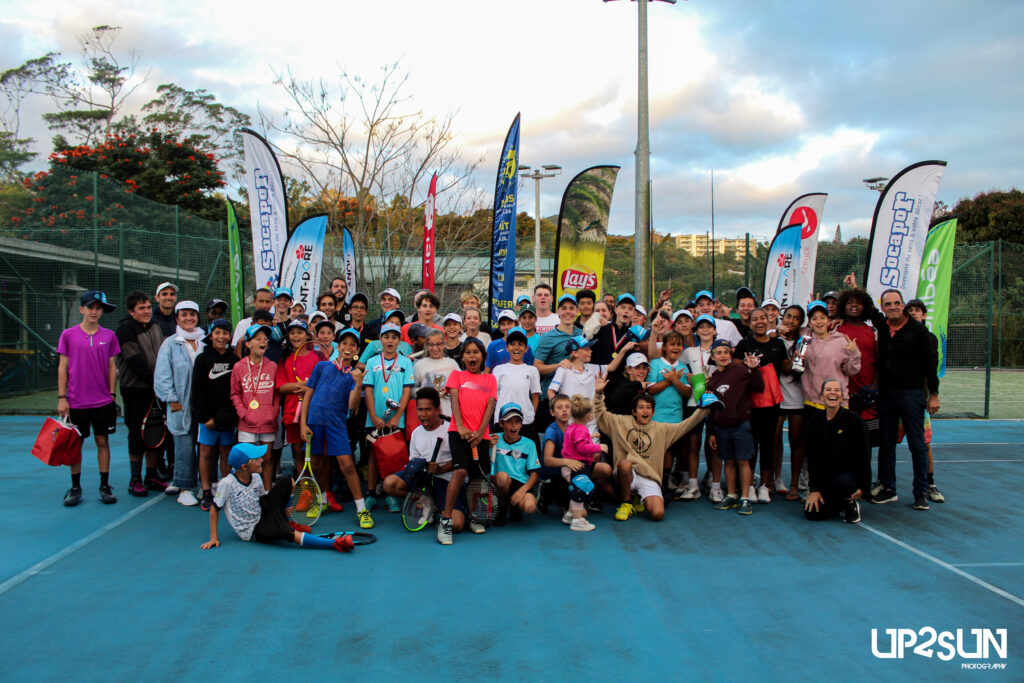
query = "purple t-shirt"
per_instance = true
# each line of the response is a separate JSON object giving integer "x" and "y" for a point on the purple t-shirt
{"x": 88, "y": 359}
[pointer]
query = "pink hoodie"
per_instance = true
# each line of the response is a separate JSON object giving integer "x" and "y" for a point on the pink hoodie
{"x": 244, "y": 376}
{"x": 828, "y": 358}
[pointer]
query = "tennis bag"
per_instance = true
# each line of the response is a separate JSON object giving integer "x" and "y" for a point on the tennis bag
{"x": 390, "y": 452}
{"x": 154, "y": 426}
{"x": 59, "y": 443}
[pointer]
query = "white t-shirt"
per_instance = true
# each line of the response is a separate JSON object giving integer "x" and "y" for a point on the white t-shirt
{"x": 725, "y": 329}
{"x": 517, "y": 384}
{"x": 547, "y": 323}
{"x": 428, "y": 372}
{"x": 481, "y": 335}
{"x": 240, "y": 329}
{"x": 792, "y": 389}
{"x": 699, "y": 361}
{"x": 240, "y": 503}
{"x": 422, "y": 442}
{"x": 571, "y": 382}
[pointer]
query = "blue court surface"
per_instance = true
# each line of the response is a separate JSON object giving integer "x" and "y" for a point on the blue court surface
{"x": 123, "y": 592}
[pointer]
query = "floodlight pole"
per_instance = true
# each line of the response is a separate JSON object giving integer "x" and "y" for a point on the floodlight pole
{"x": 537, "y": 175}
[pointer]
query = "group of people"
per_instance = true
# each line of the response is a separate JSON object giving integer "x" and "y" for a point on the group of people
{"x": 574, "y": 403}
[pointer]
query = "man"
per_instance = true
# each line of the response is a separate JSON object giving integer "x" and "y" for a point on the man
{"x": 166, "y": 298}
{"x": 282, "y": 305}
{"x": 390, "y": 300}
{"x": 216, "y": 309}
{"x": 745, "y": 303}
{"x": 724, "y": 329}
{"x": 551, "y": 351}
{"x": 586, "y": 299}
{"x": 542, "y": 298}
{"x": 609, "y": 299}
{"x": 339, "y": 288}
{"x": 262, "y": 300}
{"x": 86, "y": 373}
{"x": 140, "y": 339}
{"x": 831, "y": 300}
{"x": 907, "y": 363}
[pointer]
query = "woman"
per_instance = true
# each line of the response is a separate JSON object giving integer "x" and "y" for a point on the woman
{"x": 792, "y": 407}
{"x": 471, "y": 320}
{"x": 828, "y": 354}
{"x": 838, "y": 459}
{"x": 602, "y": 309}
{"x": 172, "y": 381}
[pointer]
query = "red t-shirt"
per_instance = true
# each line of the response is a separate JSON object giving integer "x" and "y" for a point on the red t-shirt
{"x": 405, "y": 330}
{"x": 864, "y": 336}
{"x": 474, "y": 391}
{"x": 287, "y": 370}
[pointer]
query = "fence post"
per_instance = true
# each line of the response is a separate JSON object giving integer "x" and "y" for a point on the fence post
{"x": 120, "y": 262}
{"x": 988, "y": 354}
{"x": 95, "y": 231}
{"x": 177, "y": 248}
{"x": 999, "y": 343}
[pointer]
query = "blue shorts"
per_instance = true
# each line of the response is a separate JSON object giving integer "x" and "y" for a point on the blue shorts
{"x": 329, "y": 440}
{"x": 441, "y": 493}
{"x": 735, "y": 443}
{"x": 414, "y": 472}
{"x": 213, "y": 437}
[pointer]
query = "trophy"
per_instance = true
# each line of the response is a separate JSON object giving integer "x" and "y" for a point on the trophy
{"x": 799, "y": 352}
{"x": 439, "y": 380}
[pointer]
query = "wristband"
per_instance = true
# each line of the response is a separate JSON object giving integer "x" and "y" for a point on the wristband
{"x": 60, "y": 396}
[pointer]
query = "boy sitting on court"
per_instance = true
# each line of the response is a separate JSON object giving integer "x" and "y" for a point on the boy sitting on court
{"x": 256, "y": 515}
{"x": 515, "y": 465}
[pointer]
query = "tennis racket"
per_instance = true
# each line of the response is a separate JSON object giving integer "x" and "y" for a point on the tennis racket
{"x": 481, "y": 496}
{"x": 154, "y": 426}
{"x": 419, "y": 508}
{"x": 358, "y": 537}
{"x": 306, "y": 495}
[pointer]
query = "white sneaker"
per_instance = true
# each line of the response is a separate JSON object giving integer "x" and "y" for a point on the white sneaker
{"x": 186, "y": 497}
{"x": 444, "y": 531}
{"x": 716, "y": 494}
{"x": 567, "y": 517}
{"x": 690, "y": 493}
{"x": 763, "y": 494}
{"x": 172, "y": 490}
{"x": 476, "y": 527}
{"x": 779, "y": 486}
{"x": 581, "y": 524}
{"x": 751, "y": 494}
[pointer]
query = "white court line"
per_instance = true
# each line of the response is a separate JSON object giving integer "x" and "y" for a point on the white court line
{"x": 945, "y": 565}
{"x": 77, "y": 545}
{"x": 905, "y": 462}
{"x": 989, "y": 564}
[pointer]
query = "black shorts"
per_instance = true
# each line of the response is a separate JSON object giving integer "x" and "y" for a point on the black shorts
{"x": 688, "y": 411}
{"x": 135, "y": 408}
{"x": 273, "y": 525}
{"x": 103, "y": 419}
{"x": 462, "y": 456}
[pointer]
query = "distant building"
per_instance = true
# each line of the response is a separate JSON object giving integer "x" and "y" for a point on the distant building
{"x": 697, "y": 245}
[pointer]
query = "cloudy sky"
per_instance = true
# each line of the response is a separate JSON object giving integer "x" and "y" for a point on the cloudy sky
{"x": 779, "y": 98}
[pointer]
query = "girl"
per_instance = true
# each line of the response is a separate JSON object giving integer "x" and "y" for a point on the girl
{"x": 578, "y": 445}
{"x": 434, "y": 369}
{"x": 620, "y": 400}
{"x": 211, "y": 406}
{"x": 771, "y": 308}
{"x": 829, "y": 354}
{"x": 469, "y": 300}
{"x": 792, "y": 407}
{"x": 698, "y": 359}
{"x": 472, "y": 319}
{"x": 682, "y": 322}
{"x": 452, "y": 327}
{"x": 252, "y": 393}
{"x": 172, "y": 381}
{"x": 602, "y": 309}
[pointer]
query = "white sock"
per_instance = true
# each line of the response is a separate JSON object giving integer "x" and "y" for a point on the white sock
{"x": 323, "y": 498}
{"x": 360, "y": 505}
{"x": 717, "y": 485}
{"x": 692, "y": 483}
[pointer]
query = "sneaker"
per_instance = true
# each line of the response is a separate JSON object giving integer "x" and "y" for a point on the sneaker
{"x": 299, "y": 527}
{"x": 934, "y": 494}
{"x": 852, "y": 512}
{"x": 625, "y": 511}
{"x": 344, "y": 543}
{"x": 444, "y": 532}
{"x": 885, "y": 495}
{"x": 73, "y": 497}
{"x": 705, "y": 483}
{"x": 780, "y": 487}
{"x": 207, "y": 502}
{"x": 476, "y": 527}
{"x": 164, "y": 473}
{"x": 763, "y": 494}
{"x": 154, "y": 484}
{"x": 365, "y": 520}
{"x": 332, "y": 503}
{"x": 392, "y": 504}
{"x": 728, "y": 503}
{"x": 876, "y": 488}
{"x": 689, "y": 493}
{"x": 637, "y": 503}
{"x": 581, "y": 524}
{"x": 304, "y": 502}
{"x": 187, "y": 498}
{"x": 107, "y": 496}
{"x": 137, "y": 488}
{"x": 920, "y": 502}
{"x": 567, "y": 517}
{"x": 745, "y": 507}
{"x": 172, "y": 490}
{"x": 369, "y": 501}
{"x": 716, "y": 495}
{"x": 316, "y": 510}
{"x": 752, "y": 493}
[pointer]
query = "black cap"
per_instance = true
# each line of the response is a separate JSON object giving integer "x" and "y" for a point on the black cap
{"x": 212, "y": 303}
{"x": 218, "y": 324}
{"x": 96, "y": 296}
{"x": 745, "y": 293}
{"x": 362, "y": 297}
{"x": 418, "y": 330}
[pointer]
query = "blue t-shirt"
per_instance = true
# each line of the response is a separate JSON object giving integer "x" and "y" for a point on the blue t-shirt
{"x": 331, "y": 390}
{"x": 399, "y": 375}
{"x": 497, "y": 353}
{"x": 532, "y": 342}
{"x": 517, "y": 460}
{"x": 668, "y": 405}
{"x": 551, "y": 351}
{"x": 374, "y": 348}
{"x": 552, "y": 433}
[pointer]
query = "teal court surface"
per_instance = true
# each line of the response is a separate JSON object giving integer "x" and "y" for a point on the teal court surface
{"x": 123, "y": 592}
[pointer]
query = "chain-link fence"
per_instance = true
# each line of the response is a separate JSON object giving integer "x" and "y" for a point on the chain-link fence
{"x": 92, "y": 235}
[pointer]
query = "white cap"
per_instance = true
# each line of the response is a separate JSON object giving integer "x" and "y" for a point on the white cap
{"x": 164, "y": 285}
{"x": 681, "y": 311}
{"x": 506, "y": 314}
{"x": 317, "y": 314}
{"x": 771, "y": 302}
{"x": 636, "y": 359}
{"x": 452, "y": 316}
{"x": 186, "y": 306}
{"x": 392, "y": 292}
{"x": 641, "y": 310}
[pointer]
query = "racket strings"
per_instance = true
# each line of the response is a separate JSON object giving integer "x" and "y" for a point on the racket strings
{"x": 306, "y": 502}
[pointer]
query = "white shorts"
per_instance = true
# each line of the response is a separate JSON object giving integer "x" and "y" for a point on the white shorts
{"x": 249, "y": 437}
{"x": 645, "y": 487}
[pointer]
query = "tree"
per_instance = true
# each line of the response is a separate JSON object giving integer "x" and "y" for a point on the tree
{"x": 838, "y": 239}
{"x": 995, "y": 215}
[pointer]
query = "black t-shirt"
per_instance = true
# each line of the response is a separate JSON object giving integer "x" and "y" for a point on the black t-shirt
{"x": 772, "y": 351}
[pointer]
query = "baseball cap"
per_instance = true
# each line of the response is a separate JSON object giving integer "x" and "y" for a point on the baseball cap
{"x": 349, "y": 332}
{"x": 528, "y": 309}
{"x": 567, "y": 297}
{"x": 745, "y": 293}
{"x": 218, "y": 324}
{"x": 831, "y": 295}
{"x": 317, "y": 314}
{"x": 283, "y": 291}
{"x": 506, "y": 314}
{"x": 96, "y": 296}
{"x": 770, "y": 302}
{"x": 704, "y": 293}
{"x": 681, "y": 312}
{"x": 518, "y": 332}
{"x": 817, "y": 303}
{"x": 392, "y": 292}
{"x": 510, "y": 410}
{"x": 721, "y": 342}
{"x": 705, "y": 318}
{"x": 626, "y": 298}
{"x": 242, "y": 453}
{"x": 251, "y": 331}
{"x": 323, "y": 322}
{"x": 579, "y": 342}
{"x": 164, "y": 285}
{"x": 452, "y": 317}
{"x": 213, "y": 303}
{"x": 301, "y": 324}
{"x": 362, "y": 297}
{"x": 396, "y": 313}
{"x": 641, "y": 310}
{"x": 390, "y": 327}
{"x": 636, "y": 359}
{"x": 522, "y": 298}
{"x": 418, "y": 330}
{"x": 186, "y": 305}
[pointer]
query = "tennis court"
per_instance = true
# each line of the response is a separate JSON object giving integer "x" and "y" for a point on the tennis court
{"x": 123, "y": 592}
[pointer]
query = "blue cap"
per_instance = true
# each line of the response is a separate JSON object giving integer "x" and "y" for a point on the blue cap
{"x": 96, "y": 296}
{"x": 390, "y": 327}
{"x": 283, "y": 291}
{"x": 518, "y": 332}
{"x": 626, "y": 298}
{"x": 242, "y": 453}
{"x": 721, "y": 342}
{"x": 817, "y": 303}
{"x": 705, "y": 318}
{"x": 300, "y": 323}
{"x": 349, "y": 332}
{"x": 639, "y": 332}
{"x": 521, "y": 298}
{"x": 567, "y": 297}
{"x": 251, "y": 331}
{"x": 579, "y": 342}
{"x": 510, "y": 410}
{"x": 703, "y": 293}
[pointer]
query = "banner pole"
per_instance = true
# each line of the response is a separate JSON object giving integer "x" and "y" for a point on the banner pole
{"x": 988, "y": 329}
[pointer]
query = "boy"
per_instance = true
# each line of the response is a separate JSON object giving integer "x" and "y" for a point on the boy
{"x": 528, "y": 321}
{"x": 551, "y": 350}
{"x": 546, "y": 319}
{"x": 518, "y": 382}
{"x": 497, "y": 350}
{"x": 212, "y": 409}
{"x": 388, "y": 376}
{"x": 252, "y": 393}
{"x": 86, "y": 374}
{"x": 515, "y": 467}
{"x": 256, "y": 515}
{"x": 917, "y": 310}
{"x": 555, "y": 489}
{"x": 638, "y": 449}
{"x": 666, "y": 381}
{"x": 730, "y": 426}
{"x": 452, "y": 327}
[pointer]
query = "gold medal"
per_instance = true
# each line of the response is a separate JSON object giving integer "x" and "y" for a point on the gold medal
{"x": 615, "y": 354}
{"x": 254, "y": 404}
{"x": 384, "y": 390}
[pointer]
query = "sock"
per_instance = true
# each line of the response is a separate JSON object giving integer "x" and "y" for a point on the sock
{"x": 717, "y": 485}
{"x": 360, "y": 505}
{"x": 150, "y": 473}
{"x": 136, "y": 467}
{"x": 314, "y": 541}
{"x": 323, "y": 498}
{"x": 692, "y": 483}
{"x": 576, "y": 507}
{"x": 104, "y": 478}
{"x": 207, "y": 493}
{"x": 76, "y": 481}
{"x": 931, "y": 479}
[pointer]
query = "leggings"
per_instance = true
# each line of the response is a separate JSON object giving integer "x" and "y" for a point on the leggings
{"x": 763, "y": 423}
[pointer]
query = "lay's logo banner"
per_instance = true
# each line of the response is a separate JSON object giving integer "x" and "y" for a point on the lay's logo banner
{"x": 583, "y": 229}
{"x": 303, "y": 259}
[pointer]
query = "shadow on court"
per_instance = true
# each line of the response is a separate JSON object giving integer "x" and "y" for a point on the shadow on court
{"x": 124, "y": 591}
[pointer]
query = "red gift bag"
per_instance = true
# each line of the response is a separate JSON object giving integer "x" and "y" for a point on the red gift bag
{"x": 390, "y": 452}
{"x": 59, "y": 443}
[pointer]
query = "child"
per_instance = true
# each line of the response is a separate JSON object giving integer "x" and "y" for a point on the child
{"x": 332, "y": 390}
{"x": 256, "y": 515}
{"x": 292, "y": 372}
{"x": 86, "y": 374}
{"x": 698, "y": 359}
{"x": 518, "y": 382}
{"x": 497, "y": 350}
{"x": 452, "y": 326}
{"x": 580, "y": 447}
{"x": 472, "y": 319}
{"x": 252, "y": 393}
{"x": 396, "y": 318}
{"x": 620, "y": 400}
{"x": 212, "y": 409}
{"x": 730, "y": 426}
{"x": 581, "y": 374}
{"x": 667, "y": 382}
{"x": 427, "y": 304}
{"x": 388, "y": 376}
{"x": 555, "y": 489}
{"x": 515, "y": 465}
{"x": 323, "y": 335}
{"x": 433, "y": 370}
